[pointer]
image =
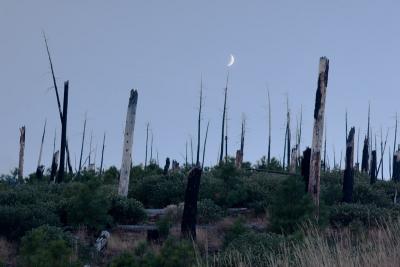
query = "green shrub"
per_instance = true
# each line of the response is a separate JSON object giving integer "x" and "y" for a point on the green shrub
{"x": 45, "y": 246}
{"x": 208, "y": 211}
{"x": 257, "y": 243}
{"x": 233, "y": 232}
{"x": 164, "y": 225}
{"x": 176, "y": 253}
{"x": 127, "y": 210}
{"x": 290, "y": 206}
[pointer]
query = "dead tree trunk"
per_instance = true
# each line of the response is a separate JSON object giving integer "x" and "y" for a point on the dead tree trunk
{"x": 348, "y": 177}
{"x": 305, "y": 166}
{"x": 102, "y": 154}
{"x": 204, "y": 146}
{"x": 199, "y": 125}
{"x": 147, "y": 142}
{"x": 188, "y": 225}
{"x": 54, "y": 166}
{"x": 60, "y": 175}
{"x": 166, "y": 166}
{"x": 324, "y": 166}
{"x": 239, "y": 153}
{"x": 318, "y": 131}
{"x": 293, "y": 160}
{"x": 221, "y": 155}
{"x": 373, "y": 167}
{"x": 288, "y": 136}
{"x": 83, "y": 143}
{"x": 365, "y": 156}
{"x": 269, "y": 130}
{"x": 127, "y": 147}
{"x": 396, "y": 166}
{"x": 21, "y": 152}
{"x": 41, "y": 146}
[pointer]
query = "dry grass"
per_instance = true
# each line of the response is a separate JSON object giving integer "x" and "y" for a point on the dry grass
{"x": 376, "y": 247}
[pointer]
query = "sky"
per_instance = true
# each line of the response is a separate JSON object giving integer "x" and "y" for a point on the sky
{"x": 163, "y": 48}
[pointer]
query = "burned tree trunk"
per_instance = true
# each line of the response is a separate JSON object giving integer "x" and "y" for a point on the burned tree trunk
{"x": 83, "y": 143}
{"x": 199, "y": 125}
{"x": 127, "y": 147}
{"x": 147, "y": 142}
{"x": 396, "y": 166}
{"x": 102, "y": 154}
{"x": 54, "y": 166}
{"x": 373, "y": 167}
{"x": 318, "y": 131}
{"x": 239, "y": 153}
{"x": 305, "y": 166}
{"x": 21, "y": 152}
{"x": 269, "y": 131}
{"x": 60, "y": 175}
{"x": 188, "y": 225}
{"x": 204, "y": 145}
{"x": 293, "y": 160}
{"x": 221, "y": 155}
{"x": 365, "y": 156}
{"x": 41, "y": 146}
{"x": 348, "y": 177}
{"x": 166, "y": 166}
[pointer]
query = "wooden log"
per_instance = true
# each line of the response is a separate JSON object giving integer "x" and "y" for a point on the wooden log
{"x": 348, "y": 176}
{"x": 60, "y": 175}
{"x": 21, "y": 152}
{"x": 319, "y": 110}
{"x": 188, "y": 225}
{"x": 127, "y": 146}
{"x": 373, "y": 167}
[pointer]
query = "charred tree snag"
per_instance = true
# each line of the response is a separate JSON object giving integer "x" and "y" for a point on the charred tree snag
{"x": 239, "y": 153}
{"x": 83, "y": 143}
{"x": 54, "y": 166}
{"x": 318, "y": 131}
{"x": 324, "y": 165}
{"x": 269, "y": 131}
{"x": 373, "y": 167}
{"x": 199, "y": 124}
{"x": 305, "y": 166}
{"x": 396, "y": 166}
{"x": 102, "y": 154}
{"x": 127, "y": 147}
{"x": 147, "y": 142}
{"x": 221, "y": 155}
{"x": 60, "y": 175}
{"x": 188, "y": 225}
{"x": 204, "y": 146}
{"x": 166, "y": 166}
{"x": 41, "y": 146}
{"x": 365, "y": 156}
{"x": 293, "y": 160}
{"x": 348, "y": 177}
{"x": 21, "y": 152}
{"x": 288, "y": 134}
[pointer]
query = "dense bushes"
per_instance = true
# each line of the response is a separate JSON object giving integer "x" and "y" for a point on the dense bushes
{"x": 46, "y": 246}
{"x": 127, "y": 210}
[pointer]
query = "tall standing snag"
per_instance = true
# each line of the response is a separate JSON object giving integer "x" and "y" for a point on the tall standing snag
{"x": 127, "y": 147}
{"x": 318, "y": 130}
{"x": 21, "y": 152}
{"x": 348, "y": 177}
{"x": 188, "y": 225}
{"x": 60, "y": 175}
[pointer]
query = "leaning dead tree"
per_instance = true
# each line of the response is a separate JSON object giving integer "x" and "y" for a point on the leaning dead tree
{"x": 127, "y": 147}
{"x": 318, "y": 131}
{"x": 348, "y": 176}
{"x": 58, "y": 99}
{"x": 189, "y": 217}
{"x": 60, "y": 176}
{"x": 221, "y": 155}
{"x": 21, "y": 152}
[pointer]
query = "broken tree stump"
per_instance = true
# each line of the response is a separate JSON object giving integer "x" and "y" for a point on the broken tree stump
{"x": 188, "y": 225}
{"x": 348, "y": 176}
{"x": 365, "y": 156}
{"x": 127, "y": 146}
{"x": 318, "y": 131}
{"x": 21, "y": 152}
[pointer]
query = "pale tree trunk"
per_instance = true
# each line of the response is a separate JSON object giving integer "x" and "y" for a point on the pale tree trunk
{"x": 21, "y": 152}
{"x": 127, "y": 147}
{"x": 318, "y": 131}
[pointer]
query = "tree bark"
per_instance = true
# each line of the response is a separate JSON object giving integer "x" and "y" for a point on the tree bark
{"x": 315, "y": 161}
{"x": 21, "y": 152}
{"x": 127, "y": 146}
{"x": 60, "y": 175}
{"x": 348, "y": 177}
{"x": 305, "y": 166}
{"x": 188, "y": 225}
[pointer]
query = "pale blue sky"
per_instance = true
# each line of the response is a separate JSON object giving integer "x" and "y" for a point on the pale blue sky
{"x": 105, "y": 48}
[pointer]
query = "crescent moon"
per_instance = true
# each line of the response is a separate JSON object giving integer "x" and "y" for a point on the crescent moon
{"x": 231, "y": 61}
